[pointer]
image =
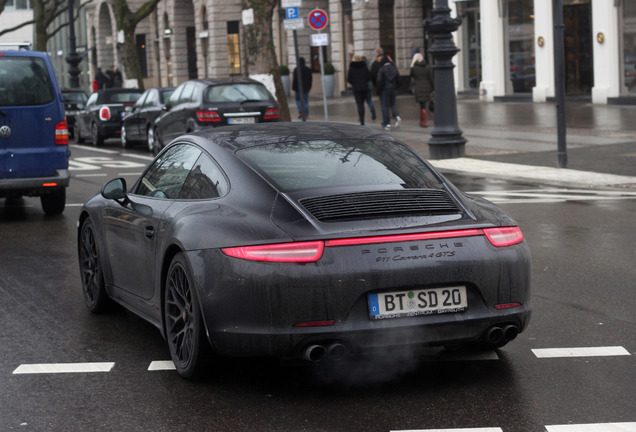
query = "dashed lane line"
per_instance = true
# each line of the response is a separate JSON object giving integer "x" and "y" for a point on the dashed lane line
{"x": 161, "y": 365}
{"x": 594, "y": 427}
{"x": 581, "y": 352}
{"x": 52, "y": 368}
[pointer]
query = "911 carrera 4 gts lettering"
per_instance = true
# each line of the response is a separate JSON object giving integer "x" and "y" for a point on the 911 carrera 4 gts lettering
{"x": 416, "y": 257}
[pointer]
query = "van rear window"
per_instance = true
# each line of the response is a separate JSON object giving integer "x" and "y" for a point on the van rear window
{"x": 24, "y": 81}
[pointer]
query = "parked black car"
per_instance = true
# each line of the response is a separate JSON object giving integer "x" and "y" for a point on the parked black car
{"x": 199, "y": 104}
{"x": 308, "y": 240}
{"x": 148, "y": 107}
{"x": 102, "y": 116}
{"x": 74, "y": 100}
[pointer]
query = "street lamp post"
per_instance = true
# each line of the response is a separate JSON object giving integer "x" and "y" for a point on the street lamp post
{"x": 446, "y": 138}
{"x": 73, "y": 59}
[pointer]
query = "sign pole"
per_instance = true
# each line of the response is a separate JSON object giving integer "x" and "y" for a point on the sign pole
{"x": 322, "y": 78}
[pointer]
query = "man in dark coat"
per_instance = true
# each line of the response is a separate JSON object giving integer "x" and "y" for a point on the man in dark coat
{"x": 306, "y": 76}
{"x": 101, "y": 79}
{"x": 359, "y": 77}
{"x": 375, "y": 68}
{"x": 388, "y": 82}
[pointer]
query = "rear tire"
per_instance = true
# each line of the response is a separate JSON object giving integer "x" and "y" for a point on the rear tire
{"x": 125, "y": 143}
{"x": 76, "y": 134}
{"x": 54, "y": 202}
{"x": 98, "y": 140}
{"x": 185, "y": 332}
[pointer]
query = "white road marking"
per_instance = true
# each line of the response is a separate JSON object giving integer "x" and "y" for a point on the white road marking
{"x": 487, "y": 429}
{"x": 129, "y": 174}
{"x": 98, "y": 150}
{"x": 51, "y": 368}
{"x": 581, "y": 352}
{"x": 89, "y": 175}
{"x": 161, "y": 365}
{"x": 147, "y": 158}
{"x": 551, "y": 195}
{"x": 594, "y": 427}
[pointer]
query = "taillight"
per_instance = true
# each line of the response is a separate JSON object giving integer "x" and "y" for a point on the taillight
{"x": 283, "y": 252}
{"x": 208, "y": 116}
{"x": 61, "y": 133}
{"x": 104, "y": 113}
{"x": 504, "y": 236}
{"x": 272, "y": 114}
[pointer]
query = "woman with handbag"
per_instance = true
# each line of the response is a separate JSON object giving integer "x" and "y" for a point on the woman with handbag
{"x": 423, "y": 86}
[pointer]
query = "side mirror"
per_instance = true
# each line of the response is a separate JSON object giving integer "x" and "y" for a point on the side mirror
{"x": 115, "y": 189}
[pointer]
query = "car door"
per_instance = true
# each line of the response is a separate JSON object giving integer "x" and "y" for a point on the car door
{"x": 84, "y": 117}
{"x": 134, "y": 232}
{"x": 134, "y": 119}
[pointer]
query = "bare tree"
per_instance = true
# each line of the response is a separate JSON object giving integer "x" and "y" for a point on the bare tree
{"x": 127, "y": 21}
{"x": 261, "y": 55}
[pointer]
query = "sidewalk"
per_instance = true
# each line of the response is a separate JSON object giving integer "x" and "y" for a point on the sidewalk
{"x": 518, "y": 140}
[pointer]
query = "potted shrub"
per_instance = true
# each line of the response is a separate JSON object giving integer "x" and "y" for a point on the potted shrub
{"x": 328, "y": 81}
{"x": 284, "y": 77}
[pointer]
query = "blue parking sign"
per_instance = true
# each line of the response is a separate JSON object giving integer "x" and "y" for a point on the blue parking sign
{"x": 292, "y": 13}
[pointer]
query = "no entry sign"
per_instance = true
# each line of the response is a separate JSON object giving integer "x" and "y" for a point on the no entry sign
{"x": 318, "y": 19}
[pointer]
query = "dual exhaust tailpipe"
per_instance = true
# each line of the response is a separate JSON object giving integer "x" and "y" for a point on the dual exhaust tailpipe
{"x": 317, "y": 353}
{"x": 497, "y": 334}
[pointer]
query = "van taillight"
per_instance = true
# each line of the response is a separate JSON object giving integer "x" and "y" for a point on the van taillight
{"x": 104, "y": 113}
{"x": 61, "y": 133}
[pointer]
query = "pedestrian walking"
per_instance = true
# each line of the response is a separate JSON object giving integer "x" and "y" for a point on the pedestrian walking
{"x": 388, "y": 82}
{"x": 109, "y": 78}
{"x": 117, "y": 79}
{"x": 369, "y": 98}
{"x": 306, "y": 76}
{"x": 100, "y": 79}
{"x": 359, "y": 77}
{"x": 375, "y": 68}
{"x": 423, "y": 85}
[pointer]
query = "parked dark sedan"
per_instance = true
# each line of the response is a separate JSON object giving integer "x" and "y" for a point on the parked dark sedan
{"x": 74, "y": 100}
{"x": 200, "y": 104}
{"x": 302, "y": 240}
{"x": 147, "y": 108}
{"x": 102, "y": 116}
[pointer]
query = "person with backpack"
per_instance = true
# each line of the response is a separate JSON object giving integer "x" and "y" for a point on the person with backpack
{"x": 387, "y": 83}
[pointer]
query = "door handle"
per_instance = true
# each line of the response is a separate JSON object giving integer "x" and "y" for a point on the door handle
{"x": 150, "y": 231}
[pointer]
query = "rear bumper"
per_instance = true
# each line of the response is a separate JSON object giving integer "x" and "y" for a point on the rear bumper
{"x": 35, "y": 185}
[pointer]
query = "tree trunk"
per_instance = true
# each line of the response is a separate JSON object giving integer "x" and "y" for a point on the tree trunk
{"x": 261, "y": 54}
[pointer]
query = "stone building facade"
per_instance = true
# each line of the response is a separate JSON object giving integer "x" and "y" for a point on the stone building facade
{"x": 506, "y": 48}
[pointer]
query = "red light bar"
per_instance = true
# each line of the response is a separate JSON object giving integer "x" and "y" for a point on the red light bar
{"x": 49, "y": 184}
{"x": 404, "y": 237}
{"x": 208, "y": 116}
{"x": 271, "y": 114}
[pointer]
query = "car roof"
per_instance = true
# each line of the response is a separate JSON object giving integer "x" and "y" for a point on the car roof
{"x": 23, "y": 53}
{"x": 226, "y": 80}
{"x": 233, "y": 138}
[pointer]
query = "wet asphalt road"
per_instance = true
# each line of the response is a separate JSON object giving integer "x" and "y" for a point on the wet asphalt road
{"x": 583, "y": 281}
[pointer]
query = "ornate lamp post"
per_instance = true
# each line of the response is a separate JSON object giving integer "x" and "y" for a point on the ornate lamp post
{"x": 446, "y": 138}
{"x": 73, "y": 59}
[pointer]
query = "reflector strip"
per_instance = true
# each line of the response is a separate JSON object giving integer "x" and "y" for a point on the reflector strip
{"x": 46, "y": 368}
{"x": 507, "y": 306}
{"x": 315, "y": 324}
{"x": 404, "y": 237}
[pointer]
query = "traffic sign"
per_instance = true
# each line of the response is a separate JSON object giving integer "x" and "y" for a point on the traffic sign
{"x": 291, "y": 3}
{"x": 291, "y": 13}
{"x": 320, "y": 39}
{"x": 318, "y": 19}
{"x": 294, "y": 24}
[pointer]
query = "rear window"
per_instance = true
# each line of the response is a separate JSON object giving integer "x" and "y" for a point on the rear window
{"x": 326, "y": 163}
{"x": 24, "y": 81}
{"x": 237, "y": 93}
{"x": 121, "y": 97}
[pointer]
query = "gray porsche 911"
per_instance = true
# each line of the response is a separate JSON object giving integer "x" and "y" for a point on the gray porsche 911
{"x": 302, "y": 240}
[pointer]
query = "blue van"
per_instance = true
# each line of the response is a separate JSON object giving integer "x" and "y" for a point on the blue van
{"x": 34, "y": 152}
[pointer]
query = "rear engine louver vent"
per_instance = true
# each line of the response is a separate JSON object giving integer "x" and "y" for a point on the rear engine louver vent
{"x": 381, "y": 204}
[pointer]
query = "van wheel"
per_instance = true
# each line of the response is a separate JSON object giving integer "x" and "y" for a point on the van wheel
{"x": 98, "y": 140}
{"x": 54, "y": 202}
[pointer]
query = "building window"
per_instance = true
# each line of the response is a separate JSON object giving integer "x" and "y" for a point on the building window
{"x": 233, "y": 47}
{"x": 141, "y": 53}
{"x": 17, "y": 5}
{"x": 629, "y": 47}
{"x": 521, "y": 45}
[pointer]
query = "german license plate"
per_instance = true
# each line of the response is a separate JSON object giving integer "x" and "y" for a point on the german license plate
{"x": 241, "y": 120}
{"x": 417, "y": 302}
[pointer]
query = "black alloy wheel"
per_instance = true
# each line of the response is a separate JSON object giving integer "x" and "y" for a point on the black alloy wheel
{"x": 91, "y": 271}
{"x": 150, "y": 139}
{"x": 76, "y": 134}
{"x": 189, "y": 348}
{"x": 125, "y": 143}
